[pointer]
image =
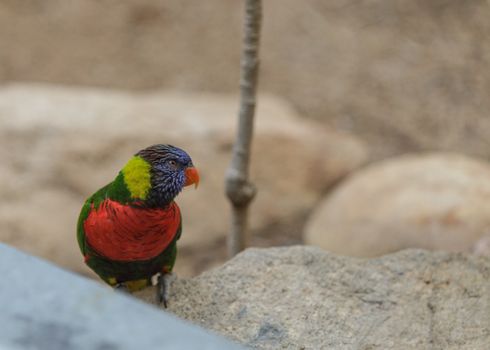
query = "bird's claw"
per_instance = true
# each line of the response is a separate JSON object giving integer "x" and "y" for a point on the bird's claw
{"x": 121, "y": 287}
{"x": 163, "y": 287}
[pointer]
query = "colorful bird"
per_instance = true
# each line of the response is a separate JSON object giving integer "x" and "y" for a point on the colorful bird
{"x": 127, "y": 231}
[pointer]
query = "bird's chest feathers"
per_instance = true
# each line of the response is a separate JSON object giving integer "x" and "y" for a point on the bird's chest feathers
{"x": 126, "y": 233}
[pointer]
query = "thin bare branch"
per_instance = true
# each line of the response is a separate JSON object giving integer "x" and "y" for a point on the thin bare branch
{"x": 239, "y": 189}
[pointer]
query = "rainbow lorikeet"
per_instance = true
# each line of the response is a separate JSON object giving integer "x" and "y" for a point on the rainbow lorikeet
{"x": 127, "y": 231}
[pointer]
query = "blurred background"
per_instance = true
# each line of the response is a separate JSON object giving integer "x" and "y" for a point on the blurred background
{"x": 372, "y": 128}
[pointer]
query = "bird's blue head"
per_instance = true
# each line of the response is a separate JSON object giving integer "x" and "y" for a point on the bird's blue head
{"x": 171, "y": 170}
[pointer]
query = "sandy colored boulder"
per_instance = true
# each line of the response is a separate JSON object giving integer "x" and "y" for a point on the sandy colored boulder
{"x": 61, "y": 144}
{"x": 305, "y": 298}
{"x": 482, "y": 246}
{"x": 432, "y": 201}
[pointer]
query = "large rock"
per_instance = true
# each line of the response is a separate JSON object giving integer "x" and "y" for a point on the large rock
{"x": 431, "y": 201}
{"x": 60, "y": 144}
{"x": 44, "y": 307}
{"x": 482, "y": 246}
{"x": 305, "y": 298}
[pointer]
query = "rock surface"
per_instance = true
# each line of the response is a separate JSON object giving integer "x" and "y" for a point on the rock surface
{"x": 60, "y": 144}
{"x": 430, "y": 201}
{"x": 305, "y": 298}
{"x": 482, "y": 246}
{"x": 47, "y": 308}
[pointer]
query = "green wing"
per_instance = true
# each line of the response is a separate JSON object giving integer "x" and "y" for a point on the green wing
{"x": 116, "y": 190}
{"x": 94, "y": 200}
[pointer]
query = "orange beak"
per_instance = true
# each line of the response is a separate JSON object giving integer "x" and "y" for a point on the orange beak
{"x": 191, "y": 177}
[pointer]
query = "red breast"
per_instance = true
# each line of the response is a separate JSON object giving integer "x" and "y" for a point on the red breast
{"x": 125, "y": 233}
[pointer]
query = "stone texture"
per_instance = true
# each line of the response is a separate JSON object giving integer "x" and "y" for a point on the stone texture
{"x": 482, "y": 246}
{"x": 305, "y": 298}
{"x": 60, "y": 144}
{"x": 431, "y": 201}
{"x": 406, "y": 75}
{"x": 44, "y": 307}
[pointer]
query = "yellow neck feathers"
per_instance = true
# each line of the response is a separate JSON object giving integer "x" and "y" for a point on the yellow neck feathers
{"x": 137, "y": 177}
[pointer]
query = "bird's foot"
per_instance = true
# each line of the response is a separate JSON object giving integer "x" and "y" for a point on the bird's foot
{"x": 164, "y": 281}
{"x": 122, "y": 287}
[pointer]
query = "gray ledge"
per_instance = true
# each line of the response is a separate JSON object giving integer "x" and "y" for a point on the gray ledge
{"x": 45, "y": 307}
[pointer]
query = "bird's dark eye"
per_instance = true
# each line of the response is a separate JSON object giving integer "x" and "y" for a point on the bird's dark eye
{"x": 172, "y": 163}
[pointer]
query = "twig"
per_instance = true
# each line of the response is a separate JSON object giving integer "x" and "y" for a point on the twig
{"x": 239, "y": 189}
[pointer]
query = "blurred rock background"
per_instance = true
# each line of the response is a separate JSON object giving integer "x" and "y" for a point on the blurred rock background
{"x": 344, "y": 83}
